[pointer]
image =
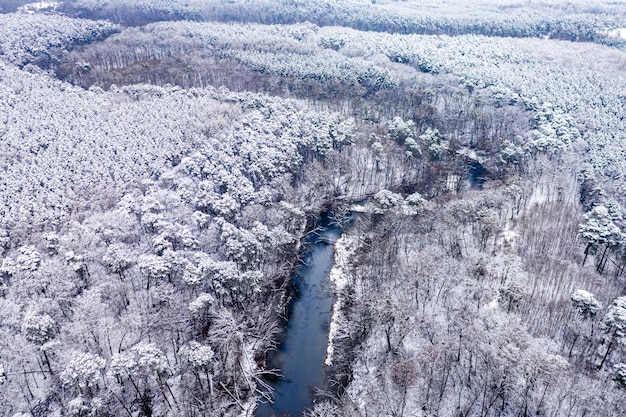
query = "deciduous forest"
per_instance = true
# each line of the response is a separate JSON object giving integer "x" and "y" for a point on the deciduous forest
{"x": 163, "y": 162}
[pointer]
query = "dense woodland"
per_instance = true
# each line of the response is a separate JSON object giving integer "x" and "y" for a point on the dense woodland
{"x": 161, "y": 161}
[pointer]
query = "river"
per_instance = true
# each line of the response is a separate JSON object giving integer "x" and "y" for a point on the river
{"x": 301, "y": 354}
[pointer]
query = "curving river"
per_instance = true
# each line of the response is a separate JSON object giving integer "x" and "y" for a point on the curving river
{"x": 301, "y": 354}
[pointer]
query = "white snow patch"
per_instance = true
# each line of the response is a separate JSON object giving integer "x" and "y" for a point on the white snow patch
{"x": 345, "y": 247}
{"x": 508, "y": 236}
{"x": 452, "y": 182}
{"x": 359, "y": 208}
{"x": 539, "y": 196}
{"x": 617, "y": 33}
{"x": 471, "y": 154}
{"x": 493, "y": 305}
{"x": 250, "y": 371}
{"x": 39, "y": 6}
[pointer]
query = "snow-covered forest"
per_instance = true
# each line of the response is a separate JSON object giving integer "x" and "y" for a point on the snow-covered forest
{"x": 161, "y": 162}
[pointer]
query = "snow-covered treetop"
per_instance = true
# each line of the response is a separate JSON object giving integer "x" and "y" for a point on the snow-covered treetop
{"x": 38, "y": 328}
{"x": 614, "y": 321}
{"x": 82, "y": 371}
{"x": 585, "y": 303}
{"x": 142, "y": 359}
{"x": 199, "y": 356}
{"x": 599, "y": 227}
{"x": 619, "y": 375}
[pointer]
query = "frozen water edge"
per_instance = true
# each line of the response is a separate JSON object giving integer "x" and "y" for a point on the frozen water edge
{"x": 345, "y": 247}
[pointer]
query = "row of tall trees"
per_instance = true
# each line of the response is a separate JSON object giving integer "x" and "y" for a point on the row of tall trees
{"x": 554, "y": 21}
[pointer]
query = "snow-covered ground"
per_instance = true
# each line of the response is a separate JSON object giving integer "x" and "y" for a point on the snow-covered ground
{"x": 345, "y": 247}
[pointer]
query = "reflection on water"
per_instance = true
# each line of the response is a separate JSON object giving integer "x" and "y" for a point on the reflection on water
{"x": 301, "y": 355}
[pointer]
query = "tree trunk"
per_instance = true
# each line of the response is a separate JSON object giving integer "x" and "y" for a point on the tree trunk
{"x": 600, "y": 266}
{"x": 608, "y": 351}
{"x": 587, "y": 252}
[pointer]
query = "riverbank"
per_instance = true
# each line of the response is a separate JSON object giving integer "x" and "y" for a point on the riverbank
{"x": 341, "y": 279}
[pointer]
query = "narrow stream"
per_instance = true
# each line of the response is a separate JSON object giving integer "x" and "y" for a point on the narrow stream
{"x": 301, "y": 354}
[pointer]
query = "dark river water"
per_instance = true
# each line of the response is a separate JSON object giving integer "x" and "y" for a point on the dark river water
{"x": 301, "y": 354}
